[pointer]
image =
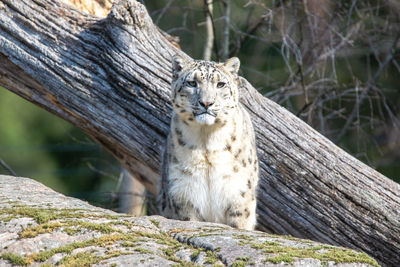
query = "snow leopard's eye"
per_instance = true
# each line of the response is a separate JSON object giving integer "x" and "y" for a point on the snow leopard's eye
{"x": 221, "y": 85}
{"x": 192, "y": 83}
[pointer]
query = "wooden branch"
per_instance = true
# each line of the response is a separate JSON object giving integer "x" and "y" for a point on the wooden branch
{"x": 111, "y": 77}
{"x": 226, "y": 30}
{"x": 208, "y": 6}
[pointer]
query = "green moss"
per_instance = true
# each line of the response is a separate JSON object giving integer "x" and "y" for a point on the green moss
{"x": 194, "y": 255}
{"x": 257, "y": 245}
{"x": 80, "y": 259}
{"x": 39, "y": 229}
{"x": 115, "y": 253}
{"x": 170, "y": 255}
{"x": 8, "y": 218}
{"x": 211, "y": 257}
{"x": 243, "y": 243}
{"x": 168, "y": 251}
{"x": 323, "y": 253}
{"x": 248, "y": 241}
{"x": 11, "y": 202}
{"x": 71, "y": 227}
{"x": 88, "y": 258}
{"x": 271, "y": 243}
{"x": 177, "y": 230}
{"x": 239, "y": 264}
{"x": 184, "y": 264}
{"x": 15, "y": 259}
{"x": 207, "y": 234}
{"x": 128, "y": 224}
{"x": 175, "y": 259}
{"x": 101, "y": 241}
{"x": 280, "y": 253}
{"x": 243, "y": 237}
{"x": 280, "y": 258}
{"x": 180, "y": 230}
{"x": 155, "y": 222}
{"x": 164, "y": 239}
{"x": 100, "y": 227}
{"x": 129, "y": 244}
{"x": 41, "y": 215}
{"x": 71, "y": 231}
{"x": 51, "y": 219}
{"x": 187, "y": 264}
{"x": 143, "y": 250}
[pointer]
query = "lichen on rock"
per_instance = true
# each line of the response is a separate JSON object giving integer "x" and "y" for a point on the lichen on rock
{"x": 41, "y": 227}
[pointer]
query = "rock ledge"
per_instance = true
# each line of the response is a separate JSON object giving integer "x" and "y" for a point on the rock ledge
{"x": 41, "y": 227}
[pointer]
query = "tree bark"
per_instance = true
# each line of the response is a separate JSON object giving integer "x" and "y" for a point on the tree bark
{"x": 132, "y": 195}
{"x": 111, "y": 78}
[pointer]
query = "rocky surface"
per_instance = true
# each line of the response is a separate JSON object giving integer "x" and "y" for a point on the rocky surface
{"x": 41, "y": 227}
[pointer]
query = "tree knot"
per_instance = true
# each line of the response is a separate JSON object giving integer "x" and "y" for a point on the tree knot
{"x": 129, "y": 12}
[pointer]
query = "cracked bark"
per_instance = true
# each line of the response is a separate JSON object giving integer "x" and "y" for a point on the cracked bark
{"x": 110, "y": 77}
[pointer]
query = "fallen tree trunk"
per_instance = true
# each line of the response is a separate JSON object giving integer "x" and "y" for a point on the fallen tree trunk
{"x": 110, "y": 77}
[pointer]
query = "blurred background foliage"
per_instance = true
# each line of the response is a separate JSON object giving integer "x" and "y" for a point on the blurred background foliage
{"x": 335, "y": 64}
{"x": 36, "y": 144}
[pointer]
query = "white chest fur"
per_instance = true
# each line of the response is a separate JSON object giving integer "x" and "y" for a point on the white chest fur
{"x": 207, "y": 173}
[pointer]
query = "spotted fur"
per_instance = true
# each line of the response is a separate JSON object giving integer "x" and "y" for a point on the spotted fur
{"x": 209, "y": 166}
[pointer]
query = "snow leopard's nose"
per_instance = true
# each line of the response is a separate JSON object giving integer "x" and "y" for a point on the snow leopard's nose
{"x": 206, "y": 105}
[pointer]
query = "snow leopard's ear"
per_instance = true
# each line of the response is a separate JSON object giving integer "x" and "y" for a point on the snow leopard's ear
{"x": 232, "y": 65}
{"x": 178, "y": 64}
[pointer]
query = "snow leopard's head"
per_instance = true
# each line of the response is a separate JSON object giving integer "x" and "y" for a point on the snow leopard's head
{"x": 205, "y": 92}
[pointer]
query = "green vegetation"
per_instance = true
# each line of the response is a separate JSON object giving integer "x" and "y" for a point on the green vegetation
{"x": 323, "y": 253}
{"x": 211, "y": 257}
{"x": 40, "y": 229}
{"x": 71, "y": 227}
{"x": 240, "y": 262}
{"x": 80, "y": 259}
{"x": 41, "y": 215}
{"x": 194, "y": 255}
{"x": 143, "y": 250}
{"x": 85, "y": 257}
{"x": 14, "y": 259}
{"x": 277, "y": 253}
{"x": 155, "y": 222}
{"x": 39, "y": 145}
{"x": 73, "y": 221}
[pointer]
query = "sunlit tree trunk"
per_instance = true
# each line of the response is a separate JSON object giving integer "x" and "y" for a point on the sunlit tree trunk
{"x": 132, "y": 195}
